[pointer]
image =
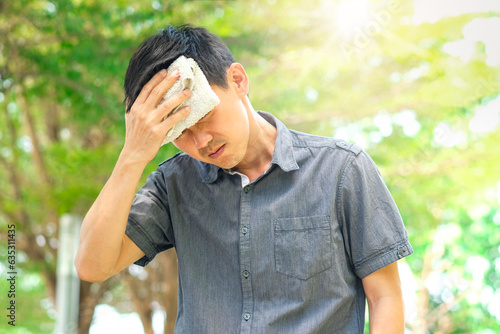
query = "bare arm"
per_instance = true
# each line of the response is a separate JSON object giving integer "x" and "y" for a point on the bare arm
{"x": 104, "y": 248}
{"x": 385, "y": 301}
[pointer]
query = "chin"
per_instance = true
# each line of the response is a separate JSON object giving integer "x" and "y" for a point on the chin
{"x": 225, "y": 165}
{"x": 228, "y": 163}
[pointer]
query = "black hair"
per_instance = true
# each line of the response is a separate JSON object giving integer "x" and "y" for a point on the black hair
{"x": 160, "y": 50}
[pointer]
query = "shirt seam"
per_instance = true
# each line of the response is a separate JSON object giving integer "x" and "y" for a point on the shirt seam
{"x": 381, "y": 255}
{"x": 139, "y": 229}
{"x": 329, "y": 142}
{"x": 331, "y": 146}
{"x": 311, "y": 145}
{"x": 339, "y": 195}
{"x": 381, "y": 252}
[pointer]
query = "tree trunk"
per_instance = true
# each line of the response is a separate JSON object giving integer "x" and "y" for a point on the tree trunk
{"x": 142, "y": 297}
{"x": 155, "y": 288}
{"x": 90, "y": 294}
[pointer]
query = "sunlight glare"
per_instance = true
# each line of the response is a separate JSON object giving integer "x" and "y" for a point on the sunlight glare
{"x": 486, "y": 117}
{"x": 351, "y": 16}
{"x": 433, "y": 10}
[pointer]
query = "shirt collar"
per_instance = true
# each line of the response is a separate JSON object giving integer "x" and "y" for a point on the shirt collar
{"x": 283, "y": 150}
{"x": 282, "y": 156}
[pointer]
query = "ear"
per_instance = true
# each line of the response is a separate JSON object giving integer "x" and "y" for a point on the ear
{"x": 238, "y": 79}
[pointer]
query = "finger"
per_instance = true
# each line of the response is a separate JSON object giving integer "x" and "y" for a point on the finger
{"x": 173, "y": 119}
{"x": 148, "y": 87}
{"x": 166, "y": 107}
{"x": 157, "y": 93}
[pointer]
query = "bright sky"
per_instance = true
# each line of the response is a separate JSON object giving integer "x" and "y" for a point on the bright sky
{"x": 433, "y": 10}
{"x": 107, "y": 320}
{"x": 484, "y": 30}
{"x": 479, "y": 30}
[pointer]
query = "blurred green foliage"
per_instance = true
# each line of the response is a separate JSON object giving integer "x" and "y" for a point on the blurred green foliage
{"x": 386, "y": 83}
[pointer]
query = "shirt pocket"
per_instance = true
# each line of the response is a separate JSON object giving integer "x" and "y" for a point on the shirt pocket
{"x": 302, "y": 246}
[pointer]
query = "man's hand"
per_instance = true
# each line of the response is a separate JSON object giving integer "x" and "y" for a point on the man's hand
{"x": 145, "y": 124}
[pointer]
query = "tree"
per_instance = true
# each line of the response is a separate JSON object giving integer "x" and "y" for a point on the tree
{"x": 61, "y": 130}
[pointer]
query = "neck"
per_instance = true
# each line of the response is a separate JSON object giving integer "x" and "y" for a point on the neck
{"x": 260, "y": 147}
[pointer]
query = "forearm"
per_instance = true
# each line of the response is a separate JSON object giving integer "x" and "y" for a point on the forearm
{"x": 386, "y": 315}
{"x": 385, "y": 300}
{"x": 103, "y": 228}
{"x": 104, "y": 249}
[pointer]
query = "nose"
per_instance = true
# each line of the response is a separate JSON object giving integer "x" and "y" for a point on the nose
{"x": 201, "y": 138}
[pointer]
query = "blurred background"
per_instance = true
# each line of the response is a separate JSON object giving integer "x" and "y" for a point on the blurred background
{"x": 415, "y": 83}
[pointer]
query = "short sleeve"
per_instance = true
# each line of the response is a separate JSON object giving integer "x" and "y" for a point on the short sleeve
{"x": 372, "y": 227}
{"x": 149, "y": 225}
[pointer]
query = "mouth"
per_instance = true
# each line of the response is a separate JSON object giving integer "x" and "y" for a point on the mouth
{"x": 217, "y": 153}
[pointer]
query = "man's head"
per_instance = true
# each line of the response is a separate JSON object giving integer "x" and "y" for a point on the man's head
{"x": 230, "y": 134}
{"x": 160, "y": 50}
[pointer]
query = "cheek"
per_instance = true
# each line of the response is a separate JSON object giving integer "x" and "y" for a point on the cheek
{"x": 178, "y": 145}
{"x": 182, "y": 144}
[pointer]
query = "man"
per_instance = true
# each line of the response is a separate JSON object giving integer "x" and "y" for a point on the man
{"x": 276, "y": 231}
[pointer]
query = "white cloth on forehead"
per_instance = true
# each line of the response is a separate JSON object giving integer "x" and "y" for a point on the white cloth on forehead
{"x": 202, "y": 99}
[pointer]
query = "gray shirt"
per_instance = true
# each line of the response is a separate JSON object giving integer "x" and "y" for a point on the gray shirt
{"x": 283, "y": 254}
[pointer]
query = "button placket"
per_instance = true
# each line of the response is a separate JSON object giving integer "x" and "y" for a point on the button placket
{"x": 245, "y": 262}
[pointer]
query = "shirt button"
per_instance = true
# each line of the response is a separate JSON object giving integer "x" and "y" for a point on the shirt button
{"x": 244, "y": 230}
{"x": 245, "y": 273}
{"x": 247, "y": 189}
{"x": 247, "y": 316}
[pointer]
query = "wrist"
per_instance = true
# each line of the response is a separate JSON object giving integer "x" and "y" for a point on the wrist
{"x": 131, "y": 161}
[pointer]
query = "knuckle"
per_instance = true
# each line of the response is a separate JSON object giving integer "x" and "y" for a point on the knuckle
{"x": 135, "y": 107}
{"x": 140, "y": 119}
{"x": 174, "y": 118}
{"x": 179, "y": 114}
{"x": 167, "y": 105}
{"x": 147, "y": 87}
{"x": 184, "y": 94}
{"x": 157, "y": 131}
{"x": 156, "y": 92}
